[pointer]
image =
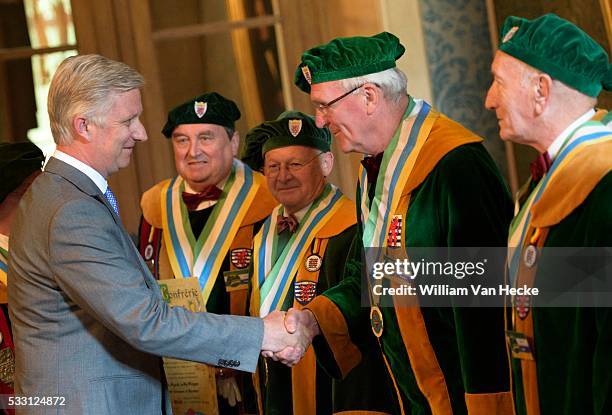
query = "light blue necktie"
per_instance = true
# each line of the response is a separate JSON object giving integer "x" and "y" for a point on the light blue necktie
{"x": 110, "y": 196}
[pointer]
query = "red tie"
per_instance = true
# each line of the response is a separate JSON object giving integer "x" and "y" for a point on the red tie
{"x": 540, "y": 166}
{"x": 192, "y": 200}
{"x": 286, "y": 222}
{"x": 372, "y": 166}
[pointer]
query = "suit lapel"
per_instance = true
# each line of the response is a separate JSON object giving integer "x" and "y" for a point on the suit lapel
{"x": 81, "y": 181}
{"x": 87, "y": 186}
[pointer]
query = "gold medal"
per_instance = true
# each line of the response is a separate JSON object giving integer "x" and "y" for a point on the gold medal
{"x": 376, "y": 321}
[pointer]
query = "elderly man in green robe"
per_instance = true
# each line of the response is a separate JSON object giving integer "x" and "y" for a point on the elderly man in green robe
{"x": 547, "y": 75}
{"x": 428, "y": 182}
{"x": 299, "y": 253}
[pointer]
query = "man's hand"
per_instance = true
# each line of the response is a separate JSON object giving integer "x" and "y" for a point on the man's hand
{"x": 288, "y": 343}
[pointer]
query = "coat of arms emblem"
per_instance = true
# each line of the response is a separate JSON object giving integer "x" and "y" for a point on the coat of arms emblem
{"x": 305, "y": 291}
{"x": 394, "y": 238}
{"x": 241, "y": 257}
{"x": 200, "y": 108}
{"x": 295, "y": 126}
{"x": 307, "y": 75}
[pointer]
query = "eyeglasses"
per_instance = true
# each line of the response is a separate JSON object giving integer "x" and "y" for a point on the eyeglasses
{"x": 324, "y": 108}
{"x": 272, "y": 169}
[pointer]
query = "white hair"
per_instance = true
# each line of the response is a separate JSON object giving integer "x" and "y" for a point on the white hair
{"x": 392, "y": 82}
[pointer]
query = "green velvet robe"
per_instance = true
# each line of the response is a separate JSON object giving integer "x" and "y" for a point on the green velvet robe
{"x": 573, "y": 346}
{"x": 366, "y": 388}
{"x": 462, "y": 202}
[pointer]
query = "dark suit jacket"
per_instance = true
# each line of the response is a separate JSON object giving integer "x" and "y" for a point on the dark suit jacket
{"x": 88, "y": 318}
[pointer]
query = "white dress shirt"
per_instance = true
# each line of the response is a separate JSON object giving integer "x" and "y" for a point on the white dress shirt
{"x": 90, "y": 172}
{"x": 554, "y": 148}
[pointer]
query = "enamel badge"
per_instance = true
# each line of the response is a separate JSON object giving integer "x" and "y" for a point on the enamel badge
{"x": 530, "y": 256}
{"x": 394, "y": 238}
{"x": 305, "y": 291}
{"x": 313, "y": 263}
{"x": 241, "y": 257}
{"x": 510, "y": 33}
{"x": 295, "y": 126}
{"x": 200, "y": 108}
{"x": 307, "y": 75}
{"x": 148, "y": 252}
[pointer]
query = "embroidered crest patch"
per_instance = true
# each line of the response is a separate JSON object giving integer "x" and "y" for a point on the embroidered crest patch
{"x": 522, "y": 304}
{"x": 304, "y": 291}
{"x": 394, "y": 238}
{"x": 241, "y": 257}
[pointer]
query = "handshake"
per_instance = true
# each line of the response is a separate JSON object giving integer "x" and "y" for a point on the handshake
{"x": 288, "y": 335}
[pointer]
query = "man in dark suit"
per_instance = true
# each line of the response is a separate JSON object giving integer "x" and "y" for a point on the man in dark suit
{"x": 87, "y": 314}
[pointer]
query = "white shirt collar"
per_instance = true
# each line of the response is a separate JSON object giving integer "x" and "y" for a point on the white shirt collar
{"x": 90, "y": 172}
{"x": 554, "y": 148}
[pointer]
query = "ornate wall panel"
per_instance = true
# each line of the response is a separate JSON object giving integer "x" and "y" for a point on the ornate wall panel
{"x": 459, "y": 57}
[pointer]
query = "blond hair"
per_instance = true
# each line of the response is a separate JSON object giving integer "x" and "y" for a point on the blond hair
{"x": 86, "y": 85}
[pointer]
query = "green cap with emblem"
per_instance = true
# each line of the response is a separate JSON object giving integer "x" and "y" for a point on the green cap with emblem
{"x": 348, "y": 57}
{"x": 211, "y": 108}
{"x": 17, "y": 162}
{"x": 291, "y": 128}
{"x": 560, "y": 49}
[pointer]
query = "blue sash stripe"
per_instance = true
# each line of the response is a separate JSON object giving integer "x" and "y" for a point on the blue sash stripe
{"x": 564, "y": 152}
{"x": 362, "y": 182}
{"x": 414, "y": 133}
{"x": 180, "y": 258}
{"x": 244, "y": 190}
{"x": 294, "y": 255}
{"x": 3, "y": 266}
{"x": 261, "y": 263}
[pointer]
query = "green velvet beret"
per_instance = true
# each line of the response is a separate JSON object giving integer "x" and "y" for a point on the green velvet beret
{"x": 560, "y": 49}
{"x": 347, "y": 57}
{"x": 211, "y": 108}
{"x": 291, "y": 128}
{"x": 17, "y": 162}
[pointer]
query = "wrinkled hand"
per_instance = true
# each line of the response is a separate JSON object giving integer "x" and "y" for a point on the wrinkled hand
{"x": 290, "y": 340}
